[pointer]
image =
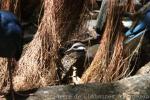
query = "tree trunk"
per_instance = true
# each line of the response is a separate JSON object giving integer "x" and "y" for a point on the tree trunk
{"x": 132, "y": 88}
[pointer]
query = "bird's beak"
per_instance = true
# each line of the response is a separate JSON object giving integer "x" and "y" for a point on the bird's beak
{"x": 69, "y": 50}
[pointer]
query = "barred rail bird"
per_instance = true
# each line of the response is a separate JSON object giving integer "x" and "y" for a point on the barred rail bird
{"x": 78, "y": 55}
{"x": 74, "y": 56}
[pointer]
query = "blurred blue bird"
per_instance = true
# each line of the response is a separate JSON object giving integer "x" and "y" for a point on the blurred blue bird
{"x": 142, "y": 26}
{"x": 11, "y": 41}
{"x": 11, "y": 36}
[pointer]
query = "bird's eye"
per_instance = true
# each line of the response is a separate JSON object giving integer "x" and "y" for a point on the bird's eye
{"x": 75, "y": 47}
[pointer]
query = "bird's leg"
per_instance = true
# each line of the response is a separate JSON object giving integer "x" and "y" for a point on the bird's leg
{"x": 75, "y": 78}
{"x": 10, "y": 65}
{"x": 58, "y": 76}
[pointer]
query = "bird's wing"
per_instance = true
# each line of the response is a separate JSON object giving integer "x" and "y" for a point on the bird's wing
{"x": 68, "y": 61}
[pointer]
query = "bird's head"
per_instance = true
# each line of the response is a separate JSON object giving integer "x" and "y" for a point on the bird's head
{"x": 78, "y": 47}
